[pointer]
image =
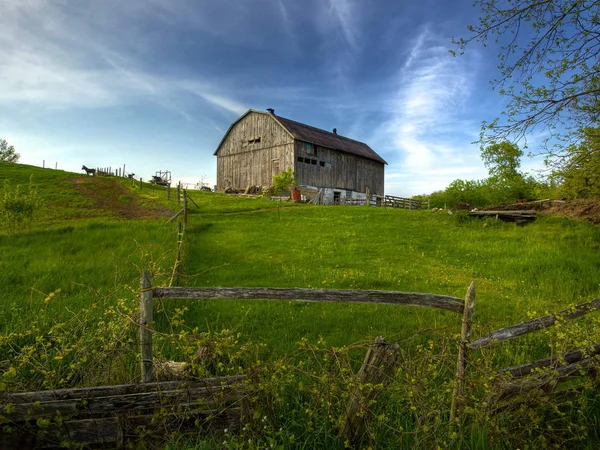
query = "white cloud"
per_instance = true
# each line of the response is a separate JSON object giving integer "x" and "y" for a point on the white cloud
{"x": 51, "y": 59}
{"x": 427, "y": 130}
{"x": 206, "y": 92}
{"x": 342, "y": 11}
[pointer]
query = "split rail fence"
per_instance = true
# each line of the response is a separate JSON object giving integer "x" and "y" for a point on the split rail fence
{"x": 111, "y": 414}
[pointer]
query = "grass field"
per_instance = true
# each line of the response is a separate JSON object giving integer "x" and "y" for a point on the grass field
{"x": 517, "y": 270}
{"x": 86, "y": 250}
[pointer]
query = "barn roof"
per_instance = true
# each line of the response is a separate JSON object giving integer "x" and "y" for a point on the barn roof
{"x": 317, "y": 136}
{"x": 327, "y": 139}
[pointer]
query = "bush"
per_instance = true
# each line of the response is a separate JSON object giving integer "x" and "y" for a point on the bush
{"x": 17, "y": 207}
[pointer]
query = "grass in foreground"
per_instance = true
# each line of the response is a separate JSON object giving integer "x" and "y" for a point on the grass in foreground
{"x": 247, "y": 242}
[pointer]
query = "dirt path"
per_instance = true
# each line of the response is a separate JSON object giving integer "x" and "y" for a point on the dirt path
{"x": 111, "y": 195}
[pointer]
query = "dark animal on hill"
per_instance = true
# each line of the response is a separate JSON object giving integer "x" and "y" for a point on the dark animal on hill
{"x": 88, "y": 171}
{"x": 130, "y": 176}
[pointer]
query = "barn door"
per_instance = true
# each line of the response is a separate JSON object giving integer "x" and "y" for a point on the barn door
{"x": 275, "y": 167}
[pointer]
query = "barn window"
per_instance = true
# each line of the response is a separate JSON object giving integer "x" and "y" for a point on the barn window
{"x": 322, "y": 163}
{"x": 254, "y": 140}
{"x": 313, "y": 162}
{"x": 311, "y": 149}
{"x": 328, "y": 165}
{"x": 300, "y": 159}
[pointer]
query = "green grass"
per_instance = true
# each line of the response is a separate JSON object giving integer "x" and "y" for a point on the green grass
{"x": 542, "y": 267}
{"x": 84, "y": 252}
{"x": 92, "y": 256}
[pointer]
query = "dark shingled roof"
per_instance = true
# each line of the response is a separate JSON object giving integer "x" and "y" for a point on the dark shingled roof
{"x": 327, "y": 139}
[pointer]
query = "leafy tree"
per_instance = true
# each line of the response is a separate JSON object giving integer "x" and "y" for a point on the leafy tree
{"x": 8, "y": 154}
{"x": 502, "y": 160}
{"x": 549, "y": 66}
{"x": 580, "y": 173}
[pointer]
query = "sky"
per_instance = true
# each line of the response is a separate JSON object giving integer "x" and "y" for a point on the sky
{"x": 155, "y": 84}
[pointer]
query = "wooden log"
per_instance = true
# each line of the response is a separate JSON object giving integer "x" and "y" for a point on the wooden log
{"x": 119, "y": 430}
{"x": 378, "y": 366}
{"x": 522, "y": 328}
{"x": 555, "y": 361}
{"x": 116, "y": 390}
{"x": 169, "y": 370}
{"x": 547, "y": 381}
{"x": 521, "y": 212}
{"x": 314, "y": 295}
{"x": 93, "y": 405}
{"x": 145, "y": 331}
{"x": 458, "y": 395}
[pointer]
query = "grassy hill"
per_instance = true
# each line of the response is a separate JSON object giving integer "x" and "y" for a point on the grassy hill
{"x": 68, "y": 285}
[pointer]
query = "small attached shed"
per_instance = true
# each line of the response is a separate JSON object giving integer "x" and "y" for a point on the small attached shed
{"x": 261, "y": 144}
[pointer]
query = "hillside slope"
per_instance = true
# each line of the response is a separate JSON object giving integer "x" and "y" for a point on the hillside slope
{"x": 68, "y": 197}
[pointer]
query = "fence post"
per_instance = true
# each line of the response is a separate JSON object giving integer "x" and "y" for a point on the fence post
{"x": 169, "y": 191}
{"x": 140, "y": 183}
{"x": 145, "y": 324}
{"x": 458, "y": 396}
{"x": 179, "y": 192}
{"x": 185, "y": 207}
{"x": 377, "y": 368}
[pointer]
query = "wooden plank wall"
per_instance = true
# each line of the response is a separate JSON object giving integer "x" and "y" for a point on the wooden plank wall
{"x": 240, "y": 163}
{"x": 341, "y": 171}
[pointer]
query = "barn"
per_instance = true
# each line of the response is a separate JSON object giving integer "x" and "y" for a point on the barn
{"x": 261, "y": 144}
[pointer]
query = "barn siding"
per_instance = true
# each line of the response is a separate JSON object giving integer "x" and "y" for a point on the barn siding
{"x": 341, "y": 171}
{"x": 240, "y": 164}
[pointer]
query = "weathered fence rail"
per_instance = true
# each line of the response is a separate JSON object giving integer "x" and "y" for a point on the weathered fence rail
{"x": 527, "y": 377}
{"x": 401, "y": 202}
{"x": 109, "y": 415}
{"x": 314, "y": 295}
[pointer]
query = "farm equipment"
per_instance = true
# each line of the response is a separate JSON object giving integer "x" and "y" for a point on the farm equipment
{"x": 161, "y": 178}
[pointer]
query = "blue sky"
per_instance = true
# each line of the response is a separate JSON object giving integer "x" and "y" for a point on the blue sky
{"x": 154, "y": 84}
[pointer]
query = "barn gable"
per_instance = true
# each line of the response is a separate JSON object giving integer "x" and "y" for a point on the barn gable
{"x": 259, "y": 145}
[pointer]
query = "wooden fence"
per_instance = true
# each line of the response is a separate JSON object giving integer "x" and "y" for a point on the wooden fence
{"x": 401, "y": 202}
{"x": 380, "y": 359}
{"x": 531, "y": 376}
{"x": 111, "y": 414}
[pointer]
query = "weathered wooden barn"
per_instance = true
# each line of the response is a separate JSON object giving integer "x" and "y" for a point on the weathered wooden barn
{"x": 260, "y": 144}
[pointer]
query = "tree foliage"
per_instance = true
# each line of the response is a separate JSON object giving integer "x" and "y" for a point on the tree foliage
{"x": 502, "y": 160}
{"x": 549, "y": 66}
{"x": 8, "y": 153}
{"x": 284, "y": 181}
{"x": 580, "y": 173}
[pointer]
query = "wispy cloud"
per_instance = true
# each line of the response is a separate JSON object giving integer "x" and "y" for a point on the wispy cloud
{"x": 286, "y": 20}
{"x": 342, "y": 11}
{"x": 52, "y": 60}
{"x": 207, "y": 93}
{"x": 428, "y": 134}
